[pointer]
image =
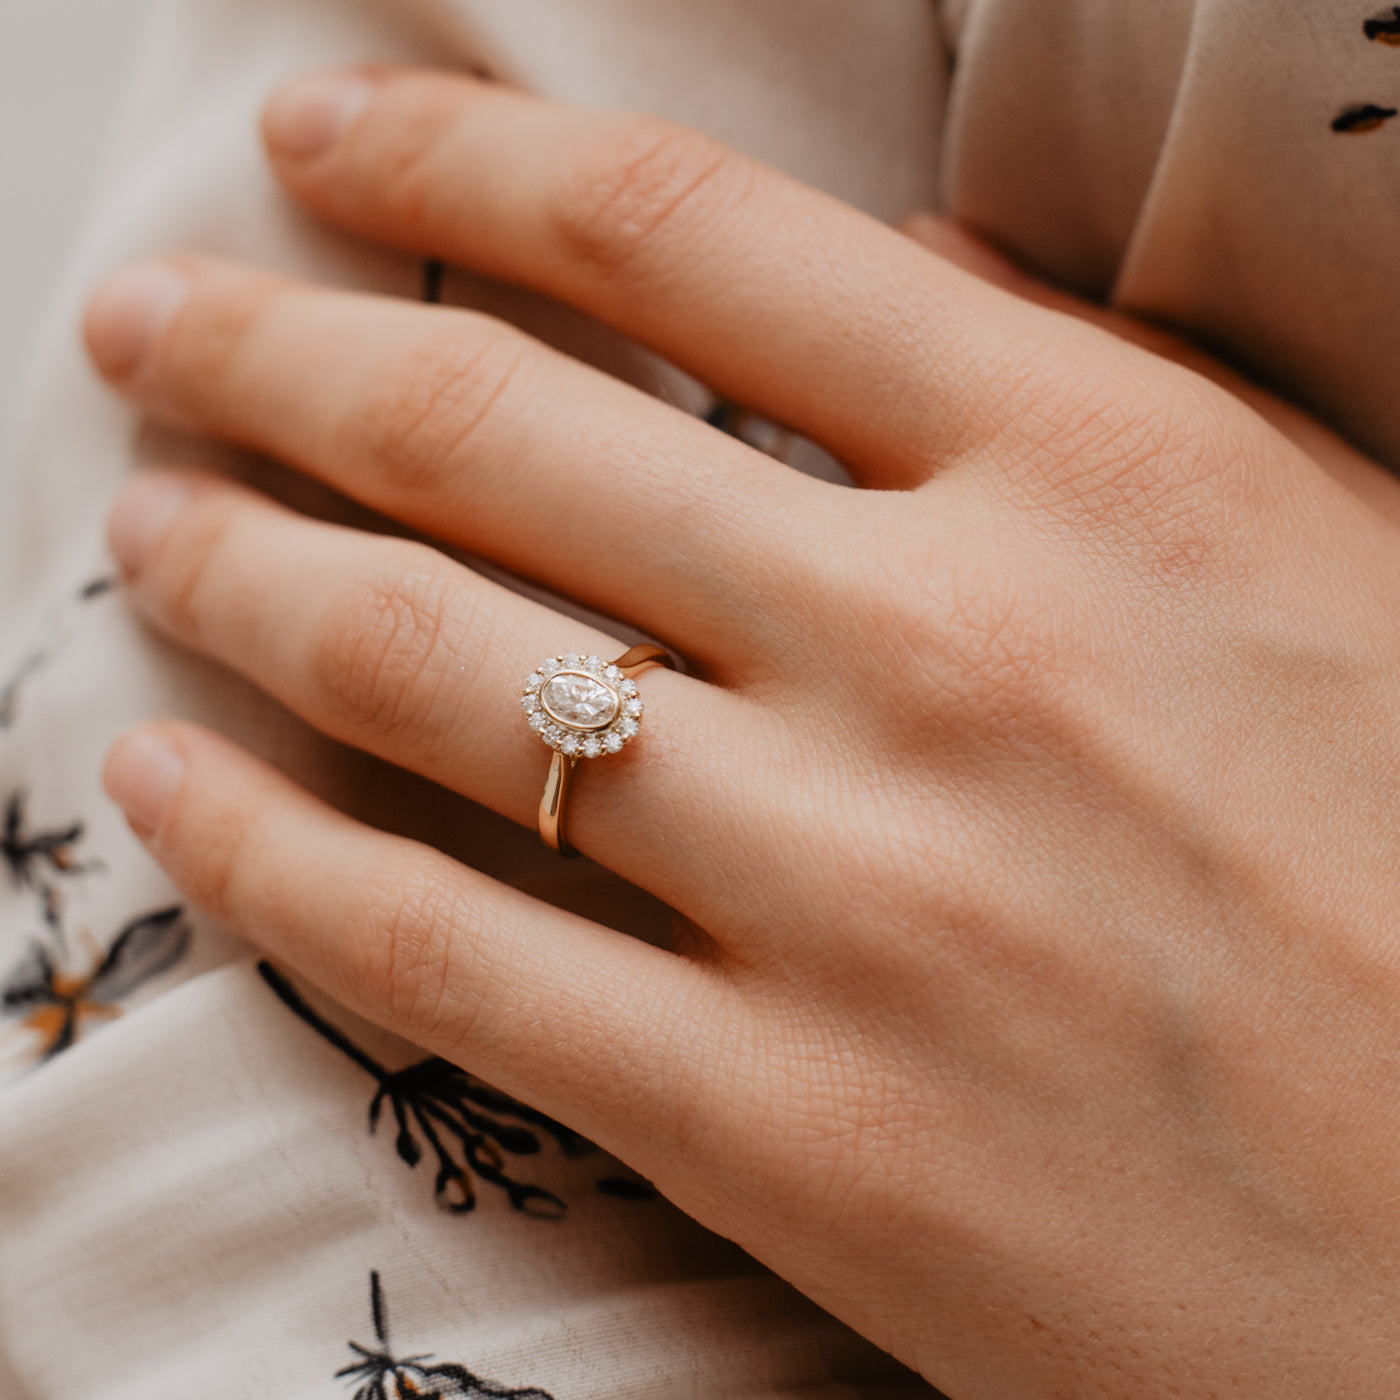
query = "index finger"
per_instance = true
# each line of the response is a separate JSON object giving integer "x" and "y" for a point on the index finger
{"x": 774, "y": 294}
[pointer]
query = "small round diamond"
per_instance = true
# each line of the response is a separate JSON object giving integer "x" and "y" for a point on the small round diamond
{"x": 569, "y": 744}
{"x": 628, "y": 688}
{"x": 613, "y": 674}
{"x": 538, "y": 722}
{"x": 553, "y": 735}
{"x": 612, "y": 742}
{"x": 592, "y": 747}
{"x": 570, "y": 661}
{"x": 529, "y": 704}
{"x": 633, "y": 708}
{"x": 536, "y": 679}
{"x": 628, "y": 728}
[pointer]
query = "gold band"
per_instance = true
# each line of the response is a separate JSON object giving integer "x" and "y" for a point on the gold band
{"x": 554, "y": 803}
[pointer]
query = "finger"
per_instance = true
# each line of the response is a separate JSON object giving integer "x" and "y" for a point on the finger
{"x": 473, "y": 432}
{"x": 960, "y": 246}
{"x": 389, "y": 646}
{"x": 774, "y": 294}
{"x": 544, "y": 1004}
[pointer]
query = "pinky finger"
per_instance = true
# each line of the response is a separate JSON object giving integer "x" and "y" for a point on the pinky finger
{"x": 547, "y": 1006}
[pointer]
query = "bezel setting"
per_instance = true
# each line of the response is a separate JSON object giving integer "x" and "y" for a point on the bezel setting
{"x": 546, "y": 707}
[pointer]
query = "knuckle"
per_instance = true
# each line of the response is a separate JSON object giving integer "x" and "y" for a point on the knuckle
{"x": 635, "y": 184}
{"x": 435, "y": 405}
{"x": 1153, "y": 477}
{"x": 378, "y": 661}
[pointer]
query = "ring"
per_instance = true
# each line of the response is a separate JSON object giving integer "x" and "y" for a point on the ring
{"x": 582, "y": 707}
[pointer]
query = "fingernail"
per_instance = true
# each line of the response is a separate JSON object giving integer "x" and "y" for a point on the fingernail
{"x": 306, "y": 116}
{"x": 141, "y": 516}
{"x": 142, "y": 773}
{"x": 130, "y": 311}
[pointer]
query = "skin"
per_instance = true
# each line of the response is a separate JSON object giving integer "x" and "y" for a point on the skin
{"x": 1030, "y": 811}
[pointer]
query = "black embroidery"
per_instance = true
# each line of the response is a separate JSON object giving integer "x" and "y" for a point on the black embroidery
{"x": 54, "y": 1001}
{"x": 52, "y": 637}
{"x": 739, "y": 422}
{"x": 1384, "y": 29}
{"x": 1366, "y": 117}
{"x": 1360, "y": 117}
{"x": 383, "y": 1377}
{"x": 433, "y": 273}
{"x": 727, "y": 417}
{"x": 456, "y": 1114}
{"x": 32, "y": 857}
{"x": 627, "y": 1188}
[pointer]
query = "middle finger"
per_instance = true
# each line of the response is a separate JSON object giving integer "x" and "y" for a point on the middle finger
{"x": 475, "y": 433}
{"x": 772, "y": 293}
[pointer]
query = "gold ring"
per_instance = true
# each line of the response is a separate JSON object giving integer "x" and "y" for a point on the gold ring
{"x": 582, "y": 707}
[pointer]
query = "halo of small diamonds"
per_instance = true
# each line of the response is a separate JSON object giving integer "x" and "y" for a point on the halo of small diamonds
{"x": 581, "y": 705}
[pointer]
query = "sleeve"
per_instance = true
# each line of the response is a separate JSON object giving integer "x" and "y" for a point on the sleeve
{"x": 1225, "y": 166}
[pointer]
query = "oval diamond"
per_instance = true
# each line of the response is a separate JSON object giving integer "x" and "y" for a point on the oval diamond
{"x": 580, "y": 701}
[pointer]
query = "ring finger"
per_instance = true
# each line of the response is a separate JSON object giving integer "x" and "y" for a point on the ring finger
{"x": 388, "y": 645}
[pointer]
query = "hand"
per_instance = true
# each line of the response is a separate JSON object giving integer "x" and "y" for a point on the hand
{"x": 1031, "y": 812}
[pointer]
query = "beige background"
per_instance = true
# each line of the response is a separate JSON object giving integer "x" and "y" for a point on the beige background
{"x": 62, "y": 64}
